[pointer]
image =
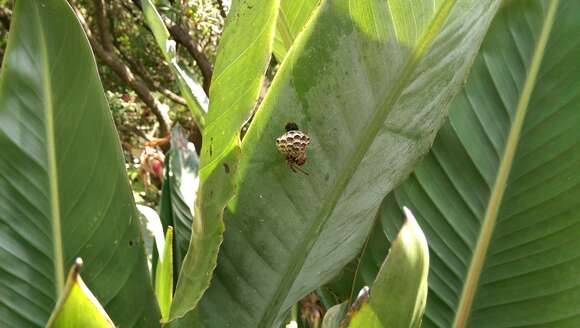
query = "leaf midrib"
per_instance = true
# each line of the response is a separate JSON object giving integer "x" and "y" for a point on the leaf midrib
{"x": 52, "y": 163}
{"x": 365, "y": 141}
{"x": 494, "y": 203}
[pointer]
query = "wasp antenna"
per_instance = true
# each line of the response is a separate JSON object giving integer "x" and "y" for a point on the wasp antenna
{"x": 301, "y": 170}
{"x": 292, "y": 168}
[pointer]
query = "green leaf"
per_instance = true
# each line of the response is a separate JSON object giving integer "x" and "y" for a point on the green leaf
{"x": 192, "y": 91}
{"x": 166, "y": 216}
{"x": 183, "y": 184}
{"x": 164, "y": 208}
{"x": 497, "y": 195}
{"x": 292, "y": 18}
{"x": 64, "y": 192}
{"x": 179, "y": 191}
{"x": 77, "y": 306}
{"x": 152, "y": 232}
{"x": 164, "y": 275}
{"x": 334, "y": 316}
{"x": 362, "y": 271}
{"x": 399, "y": 293}
{"x": 242, "y": 60}
{"x": 371, "y": 98}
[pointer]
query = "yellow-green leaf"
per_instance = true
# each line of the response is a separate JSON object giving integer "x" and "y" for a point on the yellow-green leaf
{"x": 77, "y": 306}
{"x": 242, "y": 59}
{"x": 164, "y": 276}
{"x": 399, "y": 293}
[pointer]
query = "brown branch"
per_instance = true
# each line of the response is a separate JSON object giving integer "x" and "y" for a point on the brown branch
{"x": 102, "y": 23}
{"x": 135, "y": 82}
{"x": 142, "y": 71}
{"x": 172, "y": 96}
{"x": 114, "y": 61}
{"x": 138, "y": 68}
{"x": 136, "y": 14}
{"x": 182, "y": 37}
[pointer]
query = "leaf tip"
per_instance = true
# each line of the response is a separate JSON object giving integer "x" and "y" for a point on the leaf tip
{"x": 414, "y": 226}
{"x": 76, "y": 268}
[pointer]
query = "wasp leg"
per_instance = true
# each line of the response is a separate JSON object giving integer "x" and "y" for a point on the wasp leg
{"x": 292, "y": 167}
{"x": 301, "y": 170}
{"x": 297, "y": 169}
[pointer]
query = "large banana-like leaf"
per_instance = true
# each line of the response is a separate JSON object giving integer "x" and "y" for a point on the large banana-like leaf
{"x": 371, "y": 89}
{"x": 291, "y": 20}
{"x": 497, "y": 196}
{"x": 243, "y": 57}
{"x": 64, "y": 192}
